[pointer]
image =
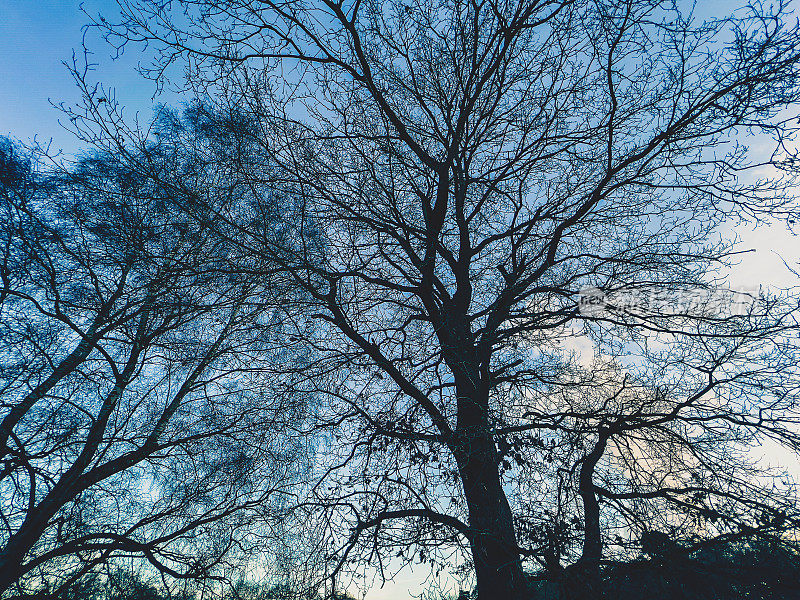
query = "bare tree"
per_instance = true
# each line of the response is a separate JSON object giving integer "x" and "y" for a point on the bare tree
{"x": 135, "y": 422}
{"x": 454, "y": 174}
{"x": 630, "y": 455}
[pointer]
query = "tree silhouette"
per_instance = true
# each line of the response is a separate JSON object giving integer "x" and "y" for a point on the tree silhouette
{"x": 132, "y": 424}
{"x": 451, "y": 175}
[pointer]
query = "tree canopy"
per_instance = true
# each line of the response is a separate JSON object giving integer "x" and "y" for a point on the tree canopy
{"x": 440, "y": 203}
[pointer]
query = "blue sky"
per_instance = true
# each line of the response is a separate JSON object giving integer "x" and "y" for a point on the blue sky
{"x": 36, "y": 37}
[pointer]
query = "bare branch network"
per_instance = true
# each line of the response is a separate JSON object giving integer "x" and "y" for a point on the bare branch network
{"x": 342, "y": 293}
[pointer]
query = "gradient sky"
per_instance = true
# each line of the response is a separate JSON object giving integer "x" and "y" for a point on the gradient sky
{"x": 37, "y": 36}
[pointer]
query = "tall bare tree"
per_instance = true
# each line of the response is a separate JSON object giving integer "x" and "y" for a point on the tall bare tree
{"x": 454, "y": 174}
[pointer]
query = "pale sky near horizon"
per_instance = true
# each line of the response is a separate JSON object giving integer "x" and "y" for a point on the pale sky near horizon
{"x": 37, "y": 35}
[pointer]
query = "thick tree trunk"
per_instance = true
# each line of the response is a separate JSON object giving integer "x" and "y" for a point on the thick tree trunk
{"x": 19, "y": 544}
{"x": 498, "y": 568}
{"x": 493, "y": 541}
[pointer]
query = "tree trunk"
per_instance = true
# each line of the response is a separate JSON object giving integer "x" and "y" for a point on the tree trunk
{"x": 498, "y": 568}
{"x": 583, "y": 580}
{"x": 18, "y": 545}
